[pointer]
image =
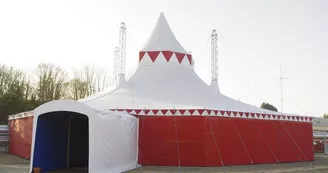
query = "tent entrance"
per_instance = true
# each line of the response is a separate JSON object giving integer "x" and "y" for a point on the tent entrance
{"x": 62, "y": 142}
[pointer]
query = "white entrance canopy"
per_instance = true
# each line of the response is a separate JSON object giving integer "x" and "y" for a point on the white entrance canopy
{"x": 69, "y": 134}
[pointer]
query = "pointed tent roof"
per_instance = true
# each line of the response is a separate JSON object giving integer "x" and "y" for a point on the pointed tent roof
{"x": 166, "y": 86}
{"x": 162, "y": 38}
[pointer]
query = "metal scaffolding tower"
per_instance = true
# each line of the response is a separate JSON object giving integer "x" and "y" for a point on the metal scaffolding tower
{"x": 214, "y": 56}
{"x": 115, "y": 68}
{"x": 122, "y": 49}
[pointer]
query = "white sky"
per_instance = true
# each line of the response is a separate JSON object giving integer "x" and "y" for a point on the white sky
{"x": 255, "y": 37}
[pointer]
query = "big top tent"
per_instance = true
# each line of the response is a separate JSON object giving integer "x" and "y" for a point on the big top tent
{"x": 182, "y": 121}
{"x": 185, "y": 122}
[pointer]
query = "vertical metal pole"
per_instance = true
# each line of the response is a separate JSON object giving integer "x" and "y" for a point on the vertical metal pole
{"x": 281, "y": 98}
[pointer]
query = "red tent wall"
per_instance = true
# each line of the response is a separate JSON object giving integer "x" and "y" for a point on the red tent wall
{"x": 217, "y": 141}
{"x": 20, "y": 134}
{"x": 203, "y": 140}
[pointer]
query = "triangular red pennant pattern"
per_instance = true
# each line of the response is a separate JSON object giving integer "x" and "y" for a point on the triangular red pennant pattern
{"x": 182, "y": 112}
{"x": 167, "y": 55}
{"x": 164, "y": 111}
{"x": 208, "y": 112}
{"x": 141, "y": 54}
{"x": 128, "y": 110}
{"x": 137, "y": 111}
{"x": 155, "y": 111}
{"x": 229, "y": 113}
{"x": 200, "y": 111}
{"x": 120, "y": 110}
{"x": 278, "y": 116}
{"x": 215, "y": 112}
{"x": 235, "y": 113}
{"x": 252, "y": 114}
{"x": 189, "y": 58}
{"x": 173, "y": 112}
{"x": 274, "y": 116}
{"x": 153, "y": 55}
{"x": 222, "y": 112}
{"x": 191, "y": 111}
{"x": 146, "y": 111}
{"x": 179, "y": 56}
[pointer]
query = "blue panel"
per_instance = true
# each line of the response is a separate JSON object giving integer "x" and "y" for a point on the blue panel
{"x": 50, "y": 150}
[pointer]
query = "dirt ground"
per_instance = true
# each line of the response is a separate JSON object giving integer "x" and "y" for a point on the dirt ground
{"x": 13, "y": 164}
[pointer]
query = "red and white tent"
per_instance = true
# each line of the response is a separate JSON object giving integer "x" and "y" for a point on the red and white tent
{"x": 165, "y": 80}
{"x": 185, "y": 122}
{"x": 182, "y": 121}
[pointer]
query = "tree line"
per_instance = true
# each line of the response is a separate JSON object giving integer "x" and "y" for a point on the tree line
{"x": 20, "y": 91}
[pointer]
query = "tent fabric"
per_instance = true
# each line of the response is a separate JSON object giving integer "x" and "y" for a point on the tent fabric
{"x": 20, "y": 133}
{"x": 165, "y": 79}
{"x": 162, "y": 38}
{"x": 111, "y": 145}
{"x": 222, "y": 141}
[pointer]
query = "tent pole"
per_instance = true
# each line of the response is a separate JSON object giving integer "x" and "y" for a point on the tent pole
{"x": 68, "y": 141}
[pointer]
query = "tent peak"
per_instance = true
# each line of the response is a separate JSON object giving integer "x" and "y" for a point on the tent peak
{"x": 162, "y": 38}
{"x": 163, "y": 48}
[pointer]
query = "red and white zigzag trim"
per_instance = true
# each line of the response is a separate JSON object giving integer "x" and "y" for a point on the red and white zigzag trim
{"x": 203, "y": 112}
{"x": 165, "y": 56}
{"x": 195, "y": 112}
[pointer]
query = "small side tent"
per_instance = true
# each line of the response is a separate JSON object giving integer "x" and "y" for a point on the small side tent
{"x": 71, "y": 135}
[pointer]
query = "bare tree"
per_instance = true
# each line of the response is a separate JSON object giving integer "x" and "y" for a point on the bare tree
{"x": 51, "y": 82}
{"x": 88, "y": 81}
{"x": 13, "y": 93}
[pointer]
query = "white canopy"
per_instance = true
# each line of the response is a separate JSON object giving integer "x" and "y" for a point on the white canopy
{"x": 165, "y": 79}
{"x": 70, "y": 134}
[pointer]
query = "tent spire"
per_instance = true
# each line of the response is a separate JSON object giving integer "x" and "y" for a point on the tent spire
{"x": 163, "y": 48}
{"x": 162, "y": 38}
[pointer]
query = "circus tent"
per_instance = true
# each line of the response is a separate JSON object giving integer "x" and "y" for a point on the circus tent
{"x": 182, "y": 121}
{"x": 165, "y": 79}
{"x": 185, "y": 122}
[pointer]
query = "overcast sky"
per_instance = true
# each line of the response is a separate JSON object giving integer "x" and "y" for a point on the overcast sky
{"x": 255, "y": 37}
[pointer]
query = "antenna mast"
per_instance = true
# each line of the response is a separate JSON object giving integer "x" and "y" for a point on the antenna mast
{"x": 122, "y": 49}
{"x": 281, "y": 98}
{"x": 214, "y": 56}
{"x": 115, "y": 68}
